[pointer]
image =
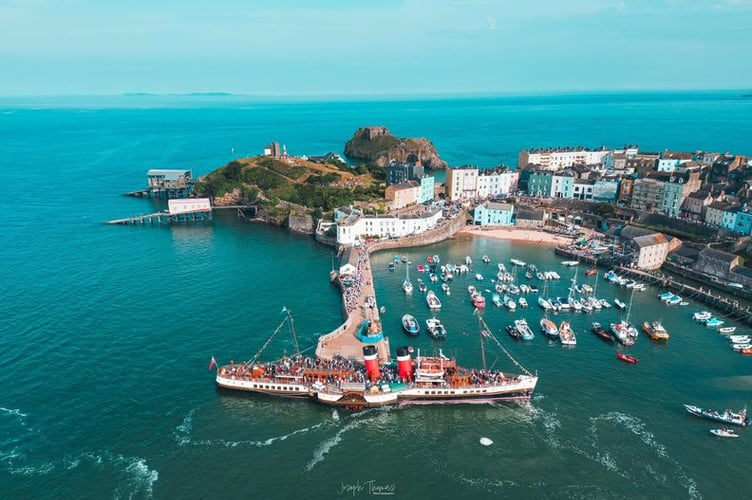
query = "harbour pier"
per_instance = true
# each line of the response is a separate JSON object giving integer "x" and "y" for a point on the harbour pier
{"x": 360, "y": 304}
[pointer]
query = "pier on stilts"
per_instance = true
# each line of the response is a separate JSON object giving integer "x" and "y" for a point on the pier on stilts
{"x": 182, "y": 211}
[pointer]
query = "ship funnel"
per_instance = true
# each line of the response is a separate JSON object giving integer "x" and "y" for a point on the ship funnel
{"x": 371, "y": 360}
{"x": 404, "y": 363}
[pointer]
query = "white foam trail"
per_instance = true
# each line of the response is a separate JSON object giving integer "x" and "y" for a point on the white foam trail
{"x": 326, "y": 446}
{"x": 335, "y": 415}
{"x": 141, "y": 480}
{"x": 13, "y": 411}
{"x": 268, "y": 442}
{"x": 183, "y": 431}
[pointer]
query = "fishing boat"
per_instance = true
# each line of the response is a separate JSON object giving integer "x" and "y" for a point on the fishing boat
{"x": 725, "y": 416}
{"x": 549, "y": 328}
{"x": 714, "y": 323}
{"x": 702, "y": 316}
{"x": 410, "y": 324}
{"x": 478, "y": 300}
{"x": 621, "y": 333}
{"x": 727, "y": 329}
{"x": 601, "y": 332}
{"x": 626, "y": 357}
{"x": 526, "y": 333}
{"x": 433, "y": 301}
{"x": 407, "y": 286}
{"x": 446, "y": 288}
{"x": 566, "y": 334}
{"x": 436, "y": 329}
{"x": 725, "y": 433}
{"x": 655, "y": 330}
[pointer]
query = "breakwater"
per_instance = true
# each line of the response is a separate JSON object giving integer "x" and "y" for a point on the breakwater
{"x": 361, "y": 305}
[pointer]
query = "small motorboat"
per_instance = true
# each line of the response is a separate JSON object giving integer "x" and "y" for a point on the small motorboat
{"x": 727, "y": 329}
{"x": 410, "y": 324}
{"x": 591, "y": 272}
{"x": 724, "y": 433}
{"x": 486, "y": 259}
{"x": 714, "y": 323}
{"x": 620, "y": 305}
{"x": 702, "y": 316}
{"x": 626, "y": 357}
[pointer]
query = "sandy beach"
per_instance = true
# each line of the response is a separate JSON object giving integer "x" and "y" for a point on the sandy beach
{"x": 514, "y": 234}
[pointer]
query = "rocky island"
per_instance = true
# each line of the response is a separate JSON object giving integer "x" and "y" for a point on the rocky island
{"x": 377, "y": 146}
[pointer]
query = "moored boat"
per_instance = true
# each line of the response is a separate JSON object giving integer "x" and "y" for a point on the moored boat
{"x": 486, "y": 259}
{"x": 591, "y": 272}
{"x": 621, "y": 333}
{"x": 432, "y": 300}
{"x": 549, "y": 328}
{"x": 714, "y": 323}
{"x": 626, "y": 357}
{"x": 410, "y": 324}
{"x": 702, "y": 316}
{"x": 725, "y": 416}
{"x": 601, "y": 332}
{"x": 727, "y": 329}
{"x": 478, "y": 300}
{"x": 518, "y": 262}
{"x": 436, "y": 329}
{"x": 526, "y": 333}
{"x": 620, "y": 305}
{"x": 655, "y": 330}
{"x": 566, "y": 334}
{"x": 446, "y": 288}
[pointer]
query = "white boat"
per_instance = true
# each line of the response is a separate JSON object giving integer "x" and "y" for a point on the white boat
{"x": 566, "y": 335}
{"x": 502, "y": 267}
{"x": 479, "y": 277}
{"x": 486, "y": 259}
{"x": 518, "y": 262}
{"x": 727, "y": 329}
{"x": 570, "y": 263}
{"x": 436, "y": 330}
{"x": 620, "y": 305}
{"x": 739, "y": 339}
{"x": 468, "y": 260}
{"x": 446, "y": 288}
{"x": 510, "y": 303}
{"x": 522, "y": 301}
{"x": 406, "y": 285}
{"x": 605, "y": 304}
{"x": 702, "y": 316}
{"x": 496, "y": 299}
{"x": 433, "y": 301}
{"x": 674, "y": 301}
{"x": 545, "y": 304}
{"x": 741, "y": 346}
{"x": 726, "y": 433}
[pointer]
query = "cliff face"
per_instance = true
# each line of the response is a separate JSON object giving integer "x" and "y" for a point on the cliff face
{"x": 376, "y": 145}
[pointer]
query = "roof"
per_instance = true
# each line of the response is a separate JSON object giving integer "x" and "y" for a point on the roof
{"x": 686, "y": 252}
{"x": 628, "y": 232}
{"x": 528, "y": 214}
{"x": 492, "y": 205}
{"x": 650, "y": 240}
{"x": 168, "y": 174}
{"x": 743, "y": 271}
{"x": 712, "y": 253}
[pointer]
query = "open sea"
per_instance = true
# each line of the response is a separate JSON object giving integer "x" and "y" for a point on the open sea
{"x": 106, "y": 332}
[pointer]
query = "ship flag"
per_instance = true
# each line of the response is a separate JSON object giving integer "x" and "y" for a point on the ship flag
{"x": 212, "y": 363}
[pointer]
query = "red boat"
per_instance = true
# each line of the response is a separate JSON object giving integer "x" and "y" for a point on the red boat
{"x": 591, "y": 272}
{"x": 626, "y": 357}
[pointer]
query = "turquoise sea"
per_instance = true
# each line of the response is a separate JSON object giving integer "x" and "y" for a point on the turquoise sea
{"x": 107, "y": 332}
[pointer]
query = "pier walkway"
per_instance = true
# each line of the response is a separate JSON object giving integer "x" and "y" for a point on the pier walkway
{"x": 359, "y": 300}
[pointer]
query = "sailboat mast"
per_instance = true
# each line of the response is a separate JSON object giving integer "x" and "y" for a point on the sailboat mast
{"x": 629, "y": 309}
{"x": 292, "y": 332}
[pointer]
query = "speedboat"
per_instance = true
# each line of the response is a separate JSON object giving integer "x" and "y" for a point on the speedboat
{"x": 620, "y": 305}
{"x": 714, "y": 323}
{"x": 726, "y": 416}
{"x": 407, "y": 286}
{"x": 702, "y": 316}
{"x": 626, "y": 357}
{"x": 724, "y": 433}
{"x": 410, "y": 324}
{"x": 524, "y": 329}
{"x": 597, "y": 329}
{"x": 435, "y": 329}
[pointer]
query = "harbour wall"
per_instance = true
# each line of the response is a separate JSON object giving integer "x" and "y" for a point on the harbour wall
{"x": 343, "y": 340}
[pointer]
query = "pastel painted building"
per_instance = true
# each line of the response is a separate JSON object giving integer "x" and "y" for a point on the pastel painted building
{"x": 582, "y": 189}
{"x": 605, "y": 190}
{"x": 743, "y": 224}
{"x": 493, "y": 214}
{"x": 714, "y": 213}
{"x": 562, "y": 185}
{"x": 539, "y": 183}
{"x": 462, "y": 183}
{"x": 427, "y": 187}
{"x": 402, "y": 195}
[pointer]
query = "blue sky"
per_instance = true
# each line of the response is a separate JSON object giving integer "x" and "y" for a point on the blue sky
{"x": 356, "y": 47}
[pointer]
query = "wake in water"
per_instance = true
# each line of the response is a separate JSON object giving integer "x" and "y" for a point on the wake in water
{"x": 135, "y": 478}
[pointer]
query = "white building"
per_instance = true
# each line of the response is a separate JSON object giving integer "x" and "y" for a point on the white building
{"x": 356, "y": 227}
{"x": 558, "y": 158}
{"x": 651, "y": 250}
{"x": 496, "y": 182}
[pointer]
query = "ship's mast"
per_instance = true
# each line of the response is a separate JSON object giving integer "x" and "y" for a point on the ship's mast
{"x": 292, "y": 332}
{"x": 482, "y": 345}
